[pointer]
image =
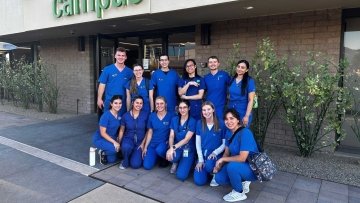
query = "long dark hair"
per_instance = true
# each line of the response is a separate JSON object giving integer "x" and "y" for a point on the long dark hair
{"x": 245, "y": 80}
{"x": 185, "y": 74}
{"x": 113, "y": 98}
{"x": 179, "y": 115}
{"x": 133, "y": 83}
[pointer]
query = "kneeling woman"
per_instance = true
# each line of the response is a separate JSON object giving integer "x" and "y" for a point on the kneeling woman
{"x": 182, "y": 144}
{"x": 210, "y": 143}
{"x": 157, "y": 136}
{"x": 233, "y": 167}
{"x": 132, "y": 133}
{"x": 105, "y": 137}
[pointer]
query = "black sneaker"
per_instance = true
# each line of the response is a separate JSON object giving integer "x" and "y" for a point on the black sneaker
{"x": 103, "y": 157}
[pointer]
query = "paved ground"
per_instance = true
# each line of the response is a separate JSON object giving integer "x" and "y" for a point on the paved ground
{"x": 47, "y": 162}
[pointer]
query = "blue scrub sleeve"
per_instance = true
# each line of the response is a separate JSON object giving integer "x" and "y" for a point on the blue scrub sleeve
{"x": 251, "y": 86}
{"x": 247, "y": 142}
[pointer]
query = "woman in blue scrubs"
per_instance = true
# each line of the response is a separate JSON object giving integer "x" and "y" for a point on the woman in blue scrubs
{"x": 105, "y": 138}
{"x": 132, "y": 133}
{"x": 233, "y": 167}
{"x": 242, "y": 92}
{"x": 192, "y": 87}
{"x": 157, "y": 136}
{"x": 181, "y": 141}
{"x": 139, "y": 86}
{"x": 210, "y": 143}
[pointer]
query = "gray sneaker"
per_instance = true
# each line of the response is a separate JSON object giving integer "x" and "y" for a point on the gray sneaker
{"x": 246, "y": 186}
{"x": 121, "y": 166}
{"x": 173, "y": 168}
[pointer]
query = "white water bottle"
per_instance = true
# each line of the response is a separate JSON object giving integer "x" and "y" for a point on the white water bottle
{"x": 92, "y": 156}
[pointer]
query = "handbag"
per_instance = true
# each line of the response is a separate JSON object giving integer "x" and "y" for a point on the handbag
{"x": 262, "y": 166}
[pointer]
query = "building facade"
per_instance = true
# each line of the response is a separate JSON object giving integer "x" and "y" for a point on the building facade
{"x": 79, "y": 37}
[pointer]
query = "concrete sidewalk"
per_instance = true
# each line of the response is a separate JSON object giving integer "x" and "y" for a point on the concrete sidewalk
{"x": 63, "y": 145}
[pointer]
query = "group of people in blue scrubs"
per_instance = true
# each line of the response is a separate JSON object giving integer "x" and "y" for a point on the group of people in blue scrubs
{"x": 146, "y": 123}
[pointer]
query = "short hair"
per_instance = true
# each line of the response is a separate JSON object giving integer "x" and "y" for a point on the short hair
{"x": 163, "y": 54}
{"x": 214, "y": 57}
{"x": 121, "y": 49}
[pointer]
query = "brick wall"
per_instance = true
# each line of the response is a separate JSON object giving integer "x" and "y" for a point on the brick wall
{"x": 75, "y": 74}
{"x": 300, "y": 32}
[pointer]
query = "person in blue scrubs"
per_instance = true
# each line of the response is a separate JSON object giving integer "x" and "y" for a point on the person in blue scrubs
{"x": 210, "y": 143}
{"x": 132, "y": 133}
{"x": 139, "y": 86}
{"x": 165, "y": 81}
{"x": 242, "y": 92}
{"x": 192, "y": 87}
{"x": 233, "y": 167}
{"x": 181, "y": 141}
{"x": 113, "y": 79}
{"x": 105, "y": 138}
{"x": 157, "y": 136}
{"x": 216, "y": 83}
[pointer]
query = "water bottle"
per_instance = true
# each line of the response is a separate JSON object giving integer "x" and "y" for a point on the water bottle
{"x": 92, "y": 156}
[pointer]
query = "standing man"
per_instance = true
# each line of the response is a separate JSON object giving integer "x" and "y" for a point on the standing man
{"x": 216, "y": 83}
{"x": 112, "y": 81}
{"x": 164, "y": 81}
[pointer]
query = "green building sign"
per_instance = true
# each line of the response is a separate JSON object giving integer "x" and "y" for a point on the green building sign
{"x": 62, "y": 8}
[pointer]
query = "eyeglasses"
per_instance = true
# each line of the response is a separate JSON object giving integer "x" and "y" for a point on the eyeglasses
{"x": 191, "y": 65}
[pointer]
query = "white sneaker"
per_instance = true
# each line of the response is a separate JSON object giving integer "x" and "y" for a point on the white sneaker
{"x": 121, "y": 166}
{"x": 234, "y": 196}
{"x": 173, "y": 168}
{"x": 246, "y": 186}
{"x": 213, "y": 182}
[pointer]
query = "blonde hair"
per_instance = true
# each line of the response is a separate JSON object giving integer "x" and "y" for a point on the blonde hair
{"x": 203, "y": 120}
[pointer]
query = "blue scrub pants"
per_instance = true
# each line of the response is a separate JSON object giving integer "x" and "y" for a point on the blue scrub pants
{"x": 131, "y": 154}
{"x": 153, "y": 151}
{"x": 108, "y": 148}
{"x": 241, "y": 111}
{"x": 201, "y": 177}
{"x": 235, "y": 173}
{"x": 219, "y": 112}
{"x": 184, "y": 163}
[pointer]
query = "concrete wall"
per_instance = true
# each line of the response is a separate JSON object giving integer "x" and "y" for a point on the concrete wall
{"x": 75, "y": 73}
{"x": 301, "y": 32}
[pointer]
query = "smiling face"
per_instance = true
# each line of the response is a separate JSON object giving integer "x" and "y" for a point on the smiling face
{"x": 138, "y": 104}
{"x": 164, "y": 61}
{"x": 241, "y": 69}
{"x": 213, "y": 63}
{"x": 183, "y": 109}
{"x": 231, "y": 122}
{"x": 116, "y": 105}
{"x": 120, "y": 57}
{"x": 207, "y": 111}
{"x": 190, "y": 67}
{"x": 138, "y": 71}
{"x": 160, "y": 105}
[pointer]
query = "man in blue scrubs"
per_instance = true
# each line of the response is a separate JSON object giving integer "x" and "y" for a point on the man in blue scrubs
{"x": 112, "y": 81}
{"x": 216, "y": 82}
{"x": 165, "y": 82}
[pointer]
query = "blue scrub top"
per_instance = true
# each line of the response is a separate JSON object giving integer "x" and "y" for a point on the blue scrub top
{"x": 141, "y": 91}
{"x": 166, "y": 86}
{"x": 210, "y": 139}
{"x": 237, "y": 100}
{"x": 243, "y": 141}
{"x": 181, "y": 130}
{"x": 108, "y": 121}
{"x": 134, "y": 126}
{"x": 195, "y": 105}
{"x": 115, "y": 82}
{"x": 161, "y": 128}
{"x": 216, "y": 88}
